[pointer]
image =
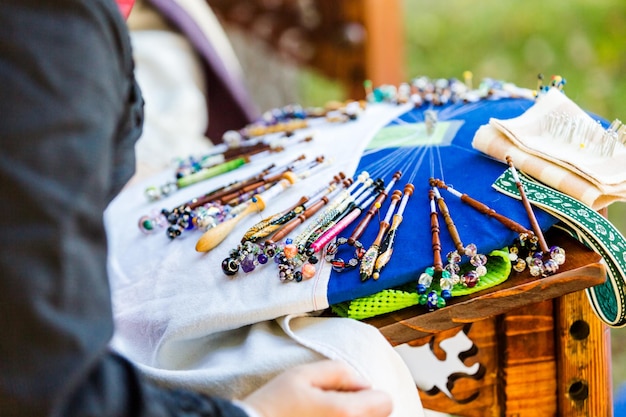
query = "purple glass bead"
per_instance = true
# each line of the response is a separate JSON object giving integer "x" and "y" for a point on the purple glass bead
{"x": 550, "y": 266}
{"x": 470, "y": 279}
{"x": 262, "y": 258}
{"x": 247, "y": 264}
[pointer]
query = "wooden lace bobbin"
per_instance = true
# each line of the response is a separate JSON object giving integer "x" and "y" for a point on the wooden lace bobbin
{"x": 478, "y": 261}
{"x": 332, "y": 207}
{"x": 332, "y": 232}
{"x": 527, "y": 237}
{"x": 246, "y": 196}
{"x": 238, "y": 195}
{"x": 484, "y": 209}
{"x": 529, "y": 211}
{"x": 271, "y": 224}
{"x": 547, "y": 261}
{"x": 218, "y": 193}
{"x": 333, "y": 248}
{"x": 338, "y": 206}
{"x": 213, "y": 237}
{"x": 429, "y": 296}
{"x": 310, "y": 211}
{"x": 371, "y": 254}
{"x": 386, "y": 248}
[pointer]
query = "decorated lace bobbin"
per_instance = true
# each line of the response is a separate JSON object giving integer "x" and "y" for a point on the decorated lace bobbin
{"x": 548, "y": 260}
{"x": 213, "y": 237}
{"x": 429, "y": 284}
{"x": 386, "y": 247}
{"x": 335, "y": 209}
{"x": 332, "y": 249}
{"x": 343, "y": 220}
{"x": 306, "y": 214}
{"x": 478, "y": 261}
{"x": 275, "y": 222}
{"x": 371, "y": 254}
{"x": 519, "y": 263}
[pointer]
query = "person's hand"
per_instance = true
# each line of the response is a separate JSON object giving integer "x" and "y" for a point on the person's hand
{"x": 326, "y": 388}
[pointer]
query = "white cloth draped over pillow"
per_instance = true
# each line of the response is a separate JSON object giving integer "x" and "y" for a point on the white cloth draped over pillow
{"x": 593, "y": 179}
{"x": 186, "y": 324}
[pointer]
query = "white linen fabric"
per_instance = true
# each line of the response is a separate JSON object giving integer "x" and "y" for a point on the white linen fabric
{"x": 597, "y": 181}
{"x": 186, "y": 324}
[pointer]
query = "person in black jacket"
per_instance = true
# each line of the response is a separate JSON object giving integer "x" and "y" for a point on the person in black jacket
{"x": 70, "y": 113}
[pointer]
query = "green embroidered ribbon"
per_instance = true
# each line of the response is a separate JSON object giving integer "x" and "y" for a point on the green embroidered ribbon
{"x": 590, "y": 228}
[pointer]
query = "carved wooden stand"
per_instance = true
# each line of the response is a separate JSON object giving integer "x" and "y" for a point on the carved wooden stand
{"x": 542, "y": 350}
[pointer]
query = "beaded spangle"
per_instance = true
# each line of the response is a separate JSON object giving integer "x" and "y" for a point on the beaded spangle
{"x": 424, "y": 91}
{"x": 273, "y": 223}
{"x": 251, "y": 253}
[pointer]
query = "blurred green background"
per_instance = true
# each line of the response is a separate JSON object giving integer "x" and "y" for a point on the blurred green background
{"x": 584, "y": 41}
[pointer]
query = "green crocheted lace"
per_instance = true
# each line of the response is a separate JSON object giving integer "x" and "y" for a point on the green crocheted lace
{"x": 387, "y": 301}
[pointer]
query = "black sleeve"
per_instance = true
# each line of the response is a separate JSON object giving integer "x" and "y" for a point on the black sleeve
{"x": 69, "y": 117}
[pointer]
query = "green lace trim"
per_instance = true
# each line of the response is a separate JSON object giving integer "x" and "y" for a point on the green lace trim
{"x": 387, "y": 301}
